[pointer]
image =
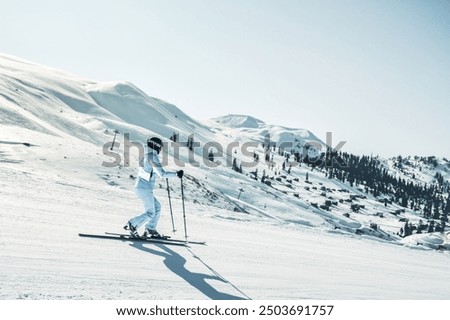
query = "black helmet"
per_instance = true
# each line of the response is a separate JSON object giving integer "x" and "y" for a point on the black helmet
{"x": 155, "y": 144}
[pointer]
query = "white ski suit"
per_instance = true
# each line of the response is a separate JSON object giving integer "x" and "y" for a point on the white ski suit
{"x": 144, "y": 189}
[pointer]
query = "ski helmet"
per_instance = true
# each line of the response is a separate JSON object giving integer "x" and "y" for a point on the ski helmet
{"x": 155, "y": 143}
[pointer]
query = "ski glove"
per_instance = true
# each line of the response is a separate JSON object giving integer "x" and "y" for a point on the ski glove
{"x": 180, "y": 174}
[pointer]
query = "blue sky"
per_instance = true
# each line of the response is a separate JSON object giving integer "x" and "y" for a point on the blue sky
{"x": 375, "y": 73}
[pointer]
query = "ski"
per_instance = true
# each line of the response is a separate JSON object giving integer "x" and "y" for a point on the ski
{"x": 127, "y": 237}
{"x": 164, "y": 238}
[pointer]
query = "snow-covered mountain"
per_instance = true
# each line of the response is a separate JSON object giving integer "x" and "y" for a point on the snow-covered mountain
{"x": 272, "y": 226}
{"x": 251, "y": 129}
{"x": 68, "y": 105}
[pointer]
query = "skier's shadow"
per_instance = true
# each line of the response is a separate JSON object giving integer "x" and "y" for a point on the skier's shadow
{"x": 176, "y": 263}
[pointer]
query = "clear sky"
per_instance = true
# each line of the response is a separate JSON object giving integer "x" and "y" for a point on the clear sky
{"x": 375, "y": 73}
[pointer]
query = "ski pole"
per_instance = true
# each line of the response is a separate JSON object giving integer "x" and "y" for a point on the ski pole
{"x": 170, "y": 205}
{"x": 184, "y": 210}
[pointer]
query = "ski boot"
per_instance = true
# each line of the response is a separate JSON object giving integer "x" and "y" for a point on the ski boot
{"x": 131, "y": 229}
{"x": 149, "y": 233}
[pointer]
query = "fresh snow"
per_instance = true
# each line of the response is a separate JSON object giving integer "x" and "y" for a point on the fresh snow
{"x": 53, "y": 186}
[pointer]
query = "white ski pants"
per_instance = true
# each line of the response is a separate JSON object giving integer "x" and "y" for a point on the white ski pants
{"x": 152, "y": 209}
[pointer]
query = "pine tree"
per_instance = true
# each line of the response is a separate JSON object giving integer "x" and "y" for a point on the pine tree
{"x": 431, "y": 226}
{"x": 211, "y": 155}
{"x": 436, "y": 213}
{"x": 235, "y": 166}
{"x": 446, "y": 210}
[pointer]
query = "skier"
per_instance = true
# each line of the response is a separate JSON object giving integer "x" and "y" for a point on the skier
{"x": 144, "y": 190}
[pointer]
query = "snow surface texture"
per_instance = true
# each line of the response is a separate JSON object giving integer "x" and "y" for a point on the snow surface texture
{"x": 266, "y": 243}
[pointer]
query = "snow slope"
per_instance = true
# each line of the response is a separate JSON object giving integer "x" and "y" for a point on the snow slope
{"x": 271, "y": 243}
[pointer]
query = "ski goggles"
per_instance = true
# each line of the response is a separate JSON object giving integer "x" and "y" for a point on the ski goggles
{"x": 156, "y": 145}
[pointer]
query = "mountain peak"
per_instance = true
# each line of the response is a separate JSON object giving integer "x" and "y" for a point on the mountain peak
{"x": 239, "y": 121}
